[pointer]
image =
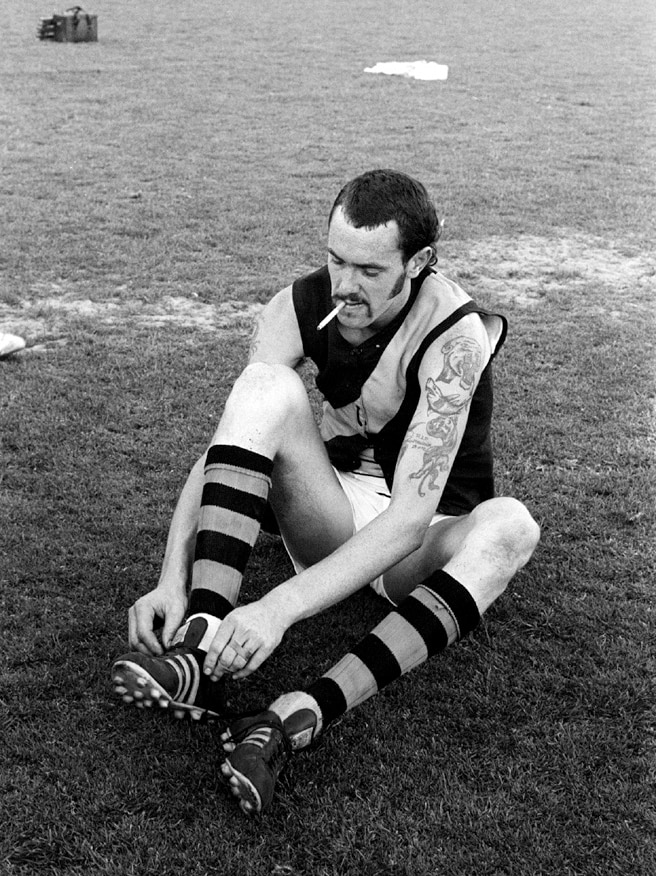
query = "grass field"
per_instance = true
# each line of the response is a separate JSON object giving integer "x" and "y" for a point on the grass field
{"x": 156, "y": 188}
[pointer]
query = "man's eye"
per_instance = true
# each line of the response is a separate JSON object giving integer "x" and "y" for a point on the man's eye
{"x": 371, "y": 273}
{"x": 335, "y": 260}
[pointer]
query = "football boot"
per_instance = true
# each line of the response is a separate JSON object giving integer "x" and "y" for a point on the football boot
{"x": 258, "y": 749}
{"x": 175, "y": 680}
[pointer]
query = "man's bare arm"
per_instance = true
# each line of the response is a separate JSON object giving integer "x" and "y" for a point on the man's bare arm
{"x": 433, "y": 438}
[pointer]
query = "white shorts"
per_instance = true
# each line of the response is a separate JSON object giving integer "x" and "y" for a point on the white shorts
{"x": 368, "y": 496}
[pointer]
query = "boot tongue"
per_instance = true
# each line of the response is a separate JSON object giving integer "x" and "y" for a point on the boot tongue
{"x": 197, "y": 632}
{"x": 301, "y": 727}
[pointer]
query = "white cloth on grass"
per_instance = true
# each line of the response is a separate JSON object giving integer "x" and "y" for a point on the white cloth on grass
{"x": 427, "y": 70}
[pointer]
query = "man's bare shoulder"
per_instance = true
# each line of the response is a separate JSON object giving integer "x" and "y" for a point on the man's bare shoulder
{"x": 468, "y": 340}
{"x": 276, "y": 337}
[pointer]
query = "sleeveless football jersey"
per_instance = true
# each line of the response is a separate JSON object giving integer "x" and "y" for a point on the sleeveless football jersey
{"x": 372, "y": 390}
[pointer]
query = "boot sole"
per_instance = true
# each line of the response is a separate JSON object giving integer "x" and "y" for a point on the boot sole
{"x": 135, "y": 686}
{"x": 242, "y": 788}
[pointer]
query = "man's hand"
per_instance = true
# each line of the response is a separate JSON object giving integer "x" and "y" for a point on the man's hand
{"x": 246, "y": 637}
{"x": 166, "y": 604}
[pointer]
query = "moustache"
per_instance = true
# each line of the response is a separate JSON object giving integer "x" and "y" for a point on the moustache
{"x": 351, "y": 301}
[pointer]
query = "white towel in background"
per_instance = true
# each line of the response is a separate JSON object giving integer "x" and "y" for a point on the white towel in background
{"x": 413, "y": 69}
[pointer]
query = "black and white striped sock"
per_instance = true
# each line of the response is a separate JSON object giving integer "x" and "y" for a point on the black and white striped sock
{"x": 234, "y": 499}
{"x": 437, "y": 613}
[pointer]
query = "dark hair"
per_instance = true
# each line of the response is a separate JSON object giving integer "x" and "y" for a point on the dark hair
{"x": 380, "y": 196}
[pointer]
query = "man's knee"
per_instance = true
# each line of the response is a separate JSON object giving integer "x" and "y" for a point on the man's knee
{"x": 511, "y": 530}
{"x": 267, "y": 403}
{"x": 267, "y": 390}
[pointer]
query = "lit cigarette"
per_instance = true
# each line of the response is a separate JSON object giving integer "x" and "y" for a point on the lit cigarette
{"x": 333, "y": 313}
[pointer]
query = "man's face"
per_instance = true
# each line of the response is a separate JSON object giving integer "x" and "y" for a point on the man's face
{"x": 367, "y": 272}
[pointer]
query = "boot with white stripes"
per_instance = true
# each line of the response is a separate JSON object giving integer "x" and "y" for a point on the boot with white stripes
{"x": 174, "y": 681}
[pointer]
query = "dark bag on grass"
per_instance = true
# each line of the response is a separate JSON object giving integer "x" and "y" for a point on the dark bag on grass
{"x": 74, "y": 26}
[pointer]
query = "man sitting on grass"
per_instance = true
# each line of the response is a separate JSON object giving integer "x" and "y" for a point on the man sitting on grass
{"x": 393, "y": 490}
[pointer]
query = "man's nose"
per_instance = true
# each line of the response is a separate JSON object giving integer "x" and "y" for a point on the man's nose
{"x": 347, "y": 281}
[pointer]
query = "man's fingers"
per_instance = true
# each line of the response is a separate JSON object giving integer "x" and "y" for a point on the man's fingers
{"x": 243, "y": 653}
{"x": 171, "y": 625}
{"x": 219, "y": 642}
{"x": 134, "y": 632}
{"x": 232, "y": 658}
{"x": 132, "y": 628}
{"x": 142, "y": 636}
{"x": 254, "y": 663}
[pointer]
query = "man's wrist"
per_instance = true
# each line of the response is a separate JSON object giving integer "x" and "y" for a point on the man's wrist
{"x": 172, "y": 582}
{"x": 279, "y": 603}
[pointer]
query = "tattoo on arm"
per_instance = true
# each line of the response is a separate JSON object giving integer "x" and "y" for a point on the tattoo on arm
{"x": 254, "y": 342}
{"x": 447, "y": 397}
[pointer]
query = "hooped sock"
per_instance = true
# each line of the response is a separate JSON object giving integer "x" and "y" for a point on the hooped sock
{"x": 437, "y": 613}
{"x": 233, "y": 502}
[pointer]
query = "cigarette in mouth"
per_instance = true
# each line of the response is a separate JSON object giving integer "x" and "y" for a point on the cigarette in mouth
{"x": 333, "y": 313}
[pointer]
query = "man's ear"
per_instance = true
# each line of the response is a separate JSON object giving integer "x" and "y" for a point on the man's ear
{"x": 419, "y": 261}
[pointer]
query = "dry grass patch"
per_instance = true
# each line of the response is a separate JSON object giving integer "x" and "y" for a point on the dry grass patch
{"x": 525, "y": 271}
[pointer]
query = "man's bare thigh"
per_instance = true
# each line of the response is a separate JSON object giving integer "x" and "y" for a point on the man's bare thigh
{"x": 268, "y": 411}
{"x": 312, "y": 510}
